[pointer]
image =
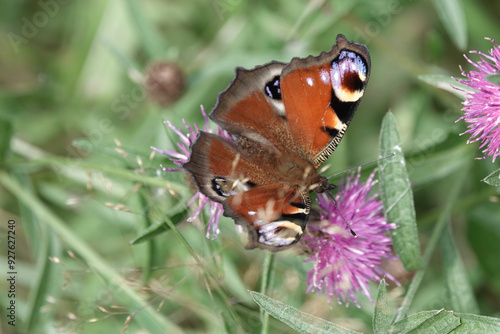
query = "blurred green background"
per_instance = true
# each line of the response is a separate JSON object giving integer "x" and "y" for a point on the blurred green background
{"x": 78, "y": 177}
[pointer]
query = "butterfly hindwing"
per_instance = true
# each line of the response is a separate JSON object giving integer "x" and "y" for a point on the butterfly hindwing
{"x": 275, "y": 215}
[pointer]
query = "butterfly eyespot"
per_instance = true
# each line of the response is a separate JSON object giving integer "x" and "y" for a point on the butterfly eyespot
{"x": 348, "y": 75}
{"x": 226, "y": 188}
{"x": 280, "y": 233}
{"x": 222, "y": 187}
{"x": 272, "y": 88}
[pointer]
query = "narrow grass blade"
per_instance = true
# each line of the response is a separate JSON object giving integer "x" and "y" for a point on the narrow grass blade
{"x": 46, "y": 284}
{"x": 48, "y": 280}
{"x": 150, "y": 38}
{"x": 397, "y": 196}
{"x": 157, "y": 228}
{"x": 457, "y": 284}
{"x": 5, "y": 136}
{"x": 127, "y": 63}
{"x": 266, "y": 281}
{"x": 300, "y": 321}
{"x": 147, "y": 316}
{"x": 76, "y": 169}
{"x": 32, "y": 228}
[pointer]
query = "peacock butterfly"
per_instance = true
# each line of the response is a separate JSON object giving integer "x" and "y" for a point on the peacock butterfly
{"x": 285, "y": 120}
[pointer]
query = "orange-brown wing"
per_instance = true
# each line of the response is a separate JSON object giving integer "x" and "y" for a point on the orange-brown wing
{"x": 251, "y": 107}
{"x": 320, "y": 95}
{"x": 274, "y": 214}
{"x": 220, "y": 170}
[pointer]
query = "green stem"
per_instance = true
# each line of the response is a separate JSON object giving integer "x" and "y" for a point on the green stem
{"x": 267, "y": 278}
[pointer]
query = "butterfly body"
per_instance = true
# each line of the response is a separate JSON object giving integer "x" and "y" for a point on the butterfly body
{"x": 284, "y": 120}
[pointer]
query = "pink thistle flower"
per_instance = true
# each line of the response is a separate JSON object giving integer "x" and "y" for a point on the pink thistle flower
{"x": 482, "y": 105}
{"x": 179, "y": 158}
{"x": 344, "y": 264}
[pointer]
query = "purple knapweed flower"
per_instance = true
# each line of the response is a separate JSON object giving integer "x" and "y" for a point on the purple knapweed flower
{"x": 482, "y": 105}
{"x": 344, "y": 264}
{"x": 179, "y": 158}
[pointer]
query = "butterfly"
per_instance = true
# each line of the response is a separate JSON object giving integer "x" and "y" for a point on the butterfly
{"x": 284, "y": 120}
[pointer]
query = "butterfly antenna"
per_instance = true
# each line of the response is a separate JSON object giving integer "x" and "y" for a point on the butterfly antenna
{"x": 340, "y": 213}
{"x": 362, "y": 165}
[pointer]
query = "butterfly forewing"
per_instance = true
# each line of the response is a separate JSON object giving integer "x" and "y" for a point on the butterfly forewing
{"x": 220, "y": 170}
{"x": 251, "y": 107}
{"x": 321, "y": 94}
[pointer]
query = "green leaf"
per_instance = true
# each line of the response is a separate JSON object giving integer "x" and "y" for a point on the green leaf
{"x": 397, "y": 196}
{"x": 468, "y": 323}
{"x": 457, "y": 284}
{"x": 452, "y": 16}
{"x": 440, "y": 321}
{"x": 5, "y": 136}
{"x": 493, "y": 179}
{"x": 300, "y": 321}
{"x": 472, "y": 323}
{"x": 383, "y": 313}
{"x": 412, "y": 321}
{"x": 447, "y": 83}
{"x": 493, "y": 78}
